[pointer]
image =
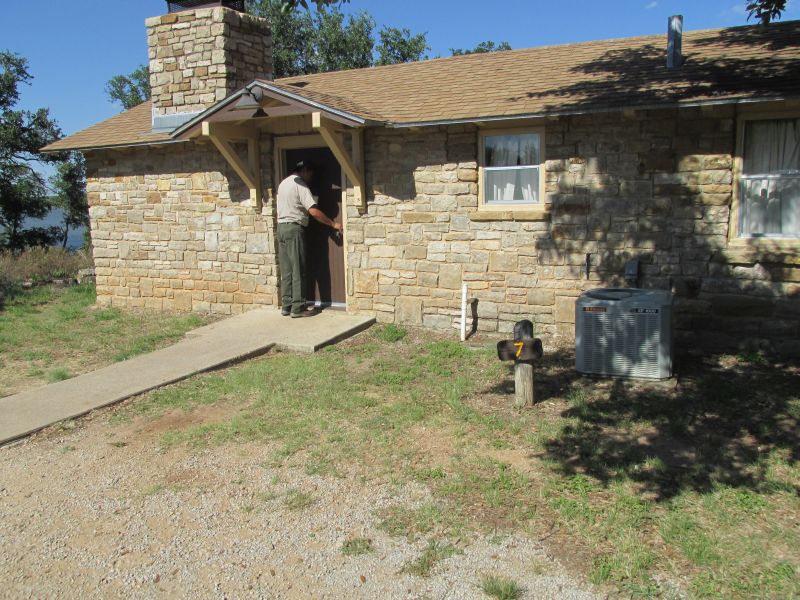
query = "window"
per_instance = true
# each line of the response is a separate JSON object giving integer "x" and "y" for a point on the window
{"x": 770, "y": 179}
{"x": 511, "y": 169}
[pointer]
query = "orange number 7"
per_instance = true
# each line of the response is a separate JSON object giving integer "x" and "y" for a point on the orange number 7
{"x": 519, "y": 346}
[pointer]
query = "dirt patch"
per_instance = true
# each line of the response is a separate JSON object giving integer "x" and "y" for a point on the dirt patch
{"x": 179, "y": 419}
{"x": 520, "y": 460}
{"x": 436, "y": 443}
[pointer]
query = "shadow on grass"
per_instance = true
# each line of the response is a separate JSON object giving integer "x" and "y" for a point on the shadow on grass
{"x": 727, "y": 422}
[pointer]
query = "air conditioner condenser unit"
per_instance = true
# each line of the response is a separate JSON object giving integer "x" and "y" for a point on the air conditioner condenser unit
{"x": 624, "y": 332}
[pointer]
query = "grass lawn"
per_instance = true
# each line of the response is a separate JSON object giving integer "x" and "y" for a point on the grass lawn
{"x": 651, "y": 489}
{"x": 49, "y": 334}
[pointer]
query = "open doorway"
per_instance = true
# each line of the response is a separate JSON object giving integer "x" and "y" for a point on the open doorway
{"x": 325, "y": 249}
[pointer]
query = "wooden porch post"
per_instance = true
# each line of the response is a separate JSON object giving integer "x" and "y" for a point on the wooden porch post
{"x": 351, "y": 165}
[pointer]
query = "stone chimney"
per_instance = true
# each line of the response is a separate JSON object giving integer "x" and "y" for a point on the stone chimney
{"x": 198, "y": 57}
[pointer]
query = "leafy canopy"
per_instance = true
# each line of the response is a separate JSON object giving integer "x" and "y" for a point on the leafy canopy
{"x": 482, "y": 48}
{"x": 765, "y": 11}
{"x": 130, "y": 90}
{"x": 23, "y": 193}
{"x": 324, "y": 39}
{"x": 69, "y": 194}
{"x": 400, "y": 46}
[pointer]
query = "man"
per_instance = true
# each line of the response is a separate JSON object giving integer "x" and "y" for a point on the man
{"x": 295, "y": 204}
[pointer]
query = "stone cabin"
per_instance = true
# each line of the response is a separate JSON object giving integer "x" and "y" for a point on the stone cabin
{"x": 530, "y": 175}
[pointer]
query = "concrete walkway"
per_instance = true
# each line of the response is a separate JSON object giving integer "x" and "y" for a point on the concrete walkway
{"x": 220, "y": 344}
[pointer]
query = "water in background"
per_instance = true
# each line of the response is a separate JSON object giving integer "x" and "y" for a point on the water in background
{"x": 56, "y": 217}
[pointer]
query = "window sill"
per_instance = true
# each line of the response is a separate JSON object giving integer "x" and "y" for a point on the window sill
{"x": 753, "y": 250}
{"x": 510, "y": 215}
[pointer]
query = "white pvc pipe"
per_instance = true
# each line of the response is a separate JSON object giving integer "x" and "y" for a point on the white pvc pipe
{"x": 463, "y": 312}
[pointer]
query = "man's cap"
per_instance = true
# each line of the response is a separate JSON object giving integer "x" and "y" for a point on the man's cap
{"x": 303, "y": 164}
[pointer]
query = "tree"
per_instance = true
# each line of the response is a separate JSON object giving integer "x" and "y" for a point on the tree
{"x": 69, "y": 188}
{"x": 289, "y": 5}
{"x": 399, "y": 46}
{"x": 130, "y": 90}
{"x": 483, "y": 47}
{"x": 324, "y": 39}
{"x": 765, "y": 11}
{"x": 343, "y": 45}
{"x": 23, "y": 193}
{"x": 292, "y": 38}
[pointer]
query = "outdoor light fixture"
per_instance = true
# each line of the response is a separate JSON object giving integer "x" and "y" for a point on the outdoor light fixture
{"x": 250, "y": 100}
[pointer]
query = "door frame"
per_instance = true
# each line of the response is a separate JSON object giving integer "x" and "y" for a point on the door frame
{"x": 312, "y": 140}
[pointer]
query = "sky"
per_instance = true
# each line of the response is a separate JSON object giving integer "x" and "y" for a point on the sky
{"x": 74, "y": 47}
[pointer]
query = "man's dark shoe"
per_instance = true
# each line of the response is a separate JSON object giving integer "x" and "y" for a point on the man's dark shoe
{"x": 285, "y": 311}
{"x": 306, "y": 313}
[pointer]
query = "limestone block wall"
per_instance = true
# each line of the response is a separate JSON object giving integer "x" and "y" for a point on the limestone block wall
{"x": 652, "y": 185}
{"x": 173, "y": 229}
{"x": 199, "y": 57}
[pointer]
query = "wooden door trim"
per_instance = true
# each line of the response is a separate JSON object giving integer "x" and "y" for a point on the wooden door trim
{"x": 314, "y": 140}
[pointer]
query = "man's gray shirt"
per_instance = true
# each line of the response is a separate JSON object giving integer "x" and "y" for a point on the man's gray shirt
{"x": 294, "y": 200}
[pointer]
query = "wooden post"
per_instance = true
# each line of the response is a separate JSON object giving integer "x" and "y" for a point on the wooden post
{"x": 523, "y": 384}
{"x": 523, "y": 369}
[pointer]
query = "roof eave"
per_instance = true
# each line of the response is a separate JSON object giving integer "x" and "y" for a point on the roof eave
{"x": 48, "y": 150}
{"x": 587, "y": 110}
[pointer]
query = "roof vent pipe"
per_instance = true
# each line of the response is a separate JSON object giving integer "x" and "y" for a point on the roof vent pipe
{"x": 674, "y": 41}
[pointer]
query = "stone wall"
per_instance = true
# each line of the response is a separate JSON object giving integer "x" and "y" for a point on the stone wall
{"x": 199, "y": 57}
{"x": 652, "y": 185}
{"x": 173, "y": 228}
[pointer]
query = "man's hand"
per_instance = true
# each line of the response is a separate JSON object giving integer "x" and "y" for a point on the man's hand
{"x": 323, "y": 218}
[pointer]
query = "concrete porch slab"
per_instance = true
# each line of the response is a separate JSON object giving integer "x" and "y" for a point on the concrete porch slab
{"x": 217, "y": 345}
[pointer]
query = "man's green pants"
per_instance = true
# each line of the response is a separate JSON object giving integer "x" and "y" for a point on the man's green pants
{"x": 292, "y": 262}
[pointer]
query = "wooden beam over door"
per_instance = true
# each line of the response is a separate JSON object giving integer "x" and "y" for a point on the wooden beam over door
{"x": 351, "y": 165}
{"x": 221, "y": 135}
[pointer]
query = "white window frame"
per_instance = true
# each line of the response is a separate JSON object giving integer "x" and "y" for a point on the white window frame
{"x": 736, "y": 237}
{"x": 483, "y": 205}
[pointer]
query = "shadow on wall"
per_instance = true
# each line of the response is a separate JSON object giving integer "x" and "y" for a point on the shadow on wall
{"x": 657, "y": 185}
{"x": 725, "y": 422}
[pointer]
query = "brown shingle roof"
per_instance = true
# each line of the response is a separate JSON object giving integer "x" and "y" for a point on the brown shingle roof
{"x": 128, "y": 128}
{"x": 720, "y": 64}
{"x": 751, "y": 62}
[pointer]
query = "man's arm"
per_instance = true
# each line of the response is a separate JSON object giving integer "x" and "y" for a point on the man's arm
{"x": 323, "y": 218}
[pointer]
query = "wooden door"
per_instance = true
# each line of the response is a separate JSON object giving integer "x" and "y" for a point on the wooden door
{"x": 324, "y": 249}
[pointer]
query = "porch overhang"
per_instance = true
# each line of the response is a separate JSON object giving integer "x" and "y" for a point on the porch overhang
{"x": 237, "y": 119}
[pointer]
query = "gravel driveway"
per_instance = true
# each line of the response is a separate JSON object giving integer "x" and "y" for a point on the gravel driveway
{"x": 100, "y": 511}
